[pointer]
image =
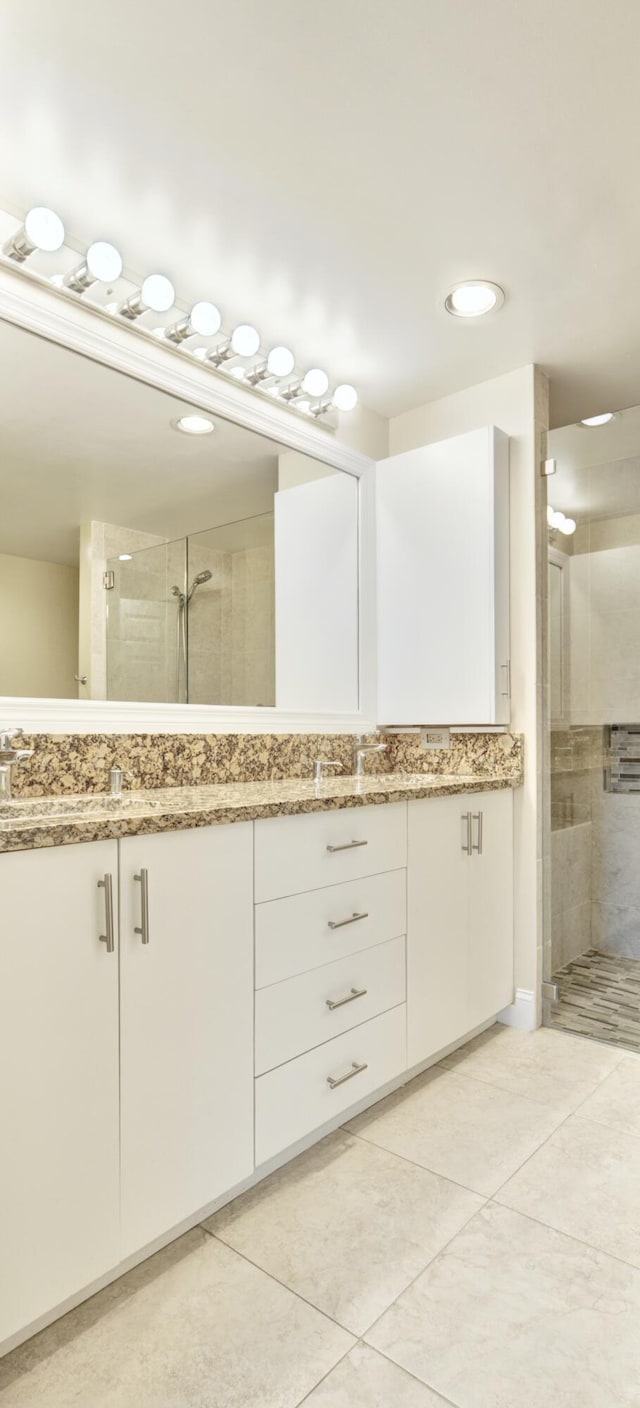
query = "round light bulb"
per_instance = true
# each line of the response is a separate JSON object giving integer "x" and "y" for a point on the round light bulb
{"x": 473, "y": 298}
{"x": 550, "y": 515}
{"x": 558, "y": 521}
{"x": 157, "y": 292}
{"x": 104, "y": 262}
{"x": 205, "y": 319}
{"x": 598, "y": 420}
{"x": 44, "y": 229}
{"x": 315, "y": 383}
{"x": 345, "y": 397}
{"x": 280, "y": 361}
{"x": 245, "y": 340}
{"x": 569, "y": 526}
{"x": 194, "y": 425}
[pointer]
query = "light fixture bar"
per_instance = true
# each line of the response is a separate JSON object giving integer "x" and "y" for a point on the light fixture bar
{"x": 238, "y": 354}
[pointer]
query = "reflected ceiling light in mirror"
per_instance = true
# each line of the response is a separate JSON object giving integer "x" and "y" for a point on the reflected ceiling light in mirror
{"x": 157, "y": 293}
{"x": 557, "y": 520}
{"x": 598, "y": 420}
{"x": 280, "y": 361}
{"x": 245, "y": 340}
{"x": 103, "y": 264}
{"x": 125, "y": 557}
{"x": 42, "y": 229}
{"x": 345, "y": 397}
{"x": 194, "y": 425}
{"x": 474, "y": 298}
{"x": 204, "y": 321}
{"x": 316, "y": 382}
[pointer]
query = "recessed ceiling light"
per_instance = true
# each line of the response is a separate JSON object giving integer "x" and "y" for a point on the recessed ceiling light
{"x": 598, "y": 420}
{"x": 124, "y": 557}
{"x": 473, "y": 298}
{"x": 194, "y": 425}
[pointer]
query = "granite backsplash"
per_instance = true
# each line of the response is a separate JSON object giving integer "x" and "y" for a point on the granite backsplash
{"x": 76, "y": 763}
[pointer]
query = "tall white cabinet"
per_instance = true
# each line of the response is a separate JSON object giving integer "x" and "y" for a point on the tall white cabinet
{"x": 186, "y": 934}
{"x": 442, "y": 514}
{"x": 59, "y": 1197}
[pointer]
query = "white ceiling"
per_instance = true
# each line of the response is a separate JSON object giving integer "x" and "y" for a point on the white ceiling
{"x": 79, "y": 441}
{"x": 329, "y": 170}
{"x": 597, "y": 468}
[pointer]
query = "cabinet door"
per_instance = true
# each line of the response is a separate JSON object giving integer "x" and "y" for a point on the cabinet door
{"x": 186, "y": 1024}
{"x": 438, "y": 926}
{"x": 491, "y": 906}
{"x": 59, "y": 1201}
{"x": 442, "y": 514}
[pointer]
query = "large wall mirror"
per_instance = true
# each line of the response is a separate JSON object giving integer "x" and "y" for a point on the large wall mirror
{"x": 141, "y": 563}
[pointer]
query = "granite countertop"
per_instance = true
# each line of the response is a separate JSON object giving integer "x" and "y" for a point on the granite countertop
{"x": 28, "y": 823}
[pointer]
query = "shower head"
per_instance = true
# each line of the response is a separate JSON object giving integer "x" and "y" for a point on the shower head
{"x": 199, "y": 581}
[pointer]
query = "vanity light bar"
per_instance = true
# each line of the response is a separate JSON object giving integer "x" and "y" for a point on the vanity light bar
{"x": 274, "y": 375}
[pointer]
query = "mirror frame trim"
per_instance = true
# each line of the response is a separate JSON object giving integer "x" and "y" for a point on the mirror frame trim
{"x": 33, "y": 304}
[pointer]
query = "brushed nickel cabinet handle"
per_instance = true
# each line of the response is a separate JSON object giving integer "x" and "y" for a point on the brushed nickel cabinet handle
{"x": 335, "y": 1081}
{"x": 350, "y": 846}
{"x": 106, "y": 884}
{"x": 353, "y": 919}
{"x": 506, "y": 693}
{"x": 342, "y": 1001}
{"x": 143, "y": 928}
{"x": 477, "y": 845}
{"x": 466, "y": 817}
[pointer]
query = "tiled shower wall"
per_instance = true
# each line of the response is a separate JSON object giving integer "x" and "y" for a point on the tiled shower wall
{"x": 596, "y": 834}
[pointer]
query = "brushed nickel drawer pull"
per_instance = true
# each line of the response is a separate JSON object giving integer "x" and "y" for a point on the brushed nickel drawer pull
{"x": 143, "y": 928}
{"x": 353, "y": 919}
{"x": 466, "y": 816}
{"x": 334, "y": 1081}
{"x": 106, "y": 884}
{"x": 477, "y": 846}
{"x": 350, "y": 997}
{"x": 350, "y": 846}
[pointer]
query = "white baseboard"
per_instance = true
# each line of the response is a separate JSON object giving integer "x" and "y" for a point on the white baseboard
{"x": 521, "y": 1013}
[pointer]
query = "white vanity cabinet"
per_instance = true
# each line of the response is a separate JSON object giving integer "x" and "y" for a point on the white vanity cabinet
{"x": 460, "y": 917}
{"x": 186, "y": 934}
{"x": 59, "y": 1199}
{"x": 330, "y": 1004}
{"x": 442, "y": 514}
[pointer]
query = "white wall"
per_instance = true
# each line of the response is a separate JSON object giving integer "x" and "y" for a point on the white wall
{"x": 518, "y": 404}
{"x": 38, "y": 628}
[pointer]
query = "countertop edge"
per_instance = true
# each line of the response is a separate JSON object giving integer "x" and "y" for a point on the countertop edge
{"x": 40, "y": 834}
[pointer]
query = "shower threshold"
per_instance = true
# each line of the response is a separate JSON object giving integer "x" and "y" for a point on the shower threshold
{"x": 599, "y": 997}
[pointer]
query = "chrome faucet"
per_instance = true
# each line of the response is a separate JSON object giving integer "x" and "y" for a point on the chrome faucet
{"x": 9, "y": 756}
{"x": 360, "y": 750}
{"x": 321, "y": 764}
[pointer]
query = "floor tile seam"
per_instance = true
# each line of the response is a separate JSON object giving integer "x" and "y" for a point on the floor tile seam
{"x": 464, "y": 1187}
{"x": 337, "y": 1364}
{"x": 530, "y": 1156}
{"x": 441, "y": 1251}
{"x": 549, "y": 1227}
{"x": 543, "y": 1104}
{"x": 384, "y": 1354}
{"x": 216, "y": 1238}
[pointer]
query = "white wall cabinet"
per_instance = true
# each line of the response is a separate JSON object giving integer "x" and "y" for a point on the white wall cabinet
{"x": 59, "y": 1201}
{"x": 460, "y": 917}
{"x": 442, "y": 514}
{"x": 186, "y": 1024}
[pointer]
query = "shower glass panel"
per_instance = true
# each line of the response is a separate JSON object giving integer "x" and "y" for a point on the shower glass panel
{"x": 231, "y": 614}
{"x": 592, "y": 940}
{"x": 143, "y": 656}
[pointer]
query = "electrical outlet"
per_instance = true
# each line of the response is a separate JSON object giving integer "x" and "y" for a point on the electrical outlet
{"x": 435, "y": 738}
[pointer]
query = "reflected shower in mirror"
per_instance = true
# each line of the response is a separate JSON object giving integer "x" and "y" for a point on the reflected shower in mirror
{"x": 140, "y": 563}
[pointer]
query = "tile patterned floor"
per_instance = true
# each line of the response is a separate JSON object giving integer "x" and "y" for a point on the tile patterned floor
{"x": 599, "y": 996}
{"x": 470, "y": 1242}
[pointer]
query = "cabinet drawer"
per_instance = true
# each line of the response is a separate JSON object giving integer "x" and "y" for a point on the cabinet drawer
{"x": 298, "y": 853}
{"x": 297, "y": 1098}
{"x": 293, "y": 1016}
{"x": 295, "y": 934}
